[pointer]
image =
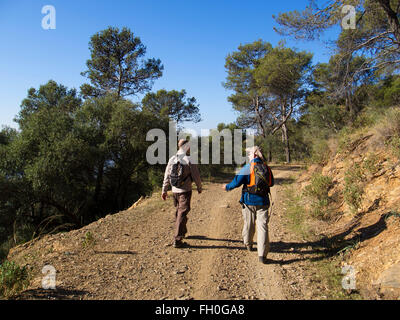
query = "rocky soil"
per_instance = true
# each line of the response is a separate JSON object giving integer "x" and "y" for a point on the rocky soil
{"x": 129, "y": 255}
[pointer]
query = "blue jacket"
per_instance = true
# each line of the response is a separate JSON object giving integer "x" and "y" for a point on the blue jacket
{"x": 243, "y": 178}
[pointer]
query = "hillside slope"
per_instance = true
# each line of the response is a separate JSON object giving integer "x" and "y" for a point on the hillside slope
{"x": 365, "y": 212}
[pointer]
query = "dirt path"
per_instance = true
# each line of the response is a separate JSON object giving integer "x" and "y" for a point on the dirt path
{"x": 132, "y": 256}
{"x": 230, "y": 271}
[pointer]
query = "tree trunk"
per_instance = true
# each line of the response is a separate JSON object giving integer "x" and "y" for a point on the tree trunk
{"x": 392, "y": 18}
{"x": 285, "y": 138}
{"x": 99, "y": 181}
{"x": 259, "y": 117}
{"x": 41, "y": 209}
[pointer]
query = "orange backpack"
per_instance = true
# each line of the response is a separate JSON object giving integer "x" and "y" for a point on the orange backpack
{"x": 261, "y": 179}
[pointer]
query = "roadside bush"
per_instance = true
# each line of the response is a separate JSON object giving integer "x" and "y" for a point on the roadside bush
{"x": 320, "y": 152}
{"x": 368, "y": 117}
{"x": 344, "y": 139}
{"x": 353, "y": 188}
{"x": 395, "y": 146}
{"x": 389, "y": 129}
{"x": 295, "y": 212}
{"x": 4, "y": 249}
{"x": 89, "y": 241}
{"x": 371, "y": 164}
{"x": 392, "y": 122}
{"x": 318, "y": 191}
{"x": 13, "y": 279}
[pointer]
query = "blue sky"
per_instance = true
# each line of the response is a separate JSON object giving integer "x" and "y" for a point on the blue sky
{"x": 192, "y": 39}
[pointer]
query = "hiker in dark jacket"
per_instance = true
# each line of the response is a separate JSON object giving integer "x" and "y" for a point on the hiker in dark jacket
{"x": 181, "y": 195}
{"x": 255, "y": 208}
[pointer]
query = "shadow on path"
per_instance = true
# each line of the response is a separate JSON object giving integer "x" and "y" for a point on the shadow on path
{"x": 284, "y": 181}
{"x": 197, "y": 237}
{"x": 330, "y": 246}
{"x": 57, "y": 294}
{"x": 320, "y": 249}
{"x": 190, "y": 246}
{"x": 287, "y": 168}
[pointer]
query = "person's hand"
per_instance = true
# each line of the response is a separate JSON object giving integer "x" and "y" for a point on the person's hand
{"x": 164, "y": 196}
{"x": 223, "y": 187}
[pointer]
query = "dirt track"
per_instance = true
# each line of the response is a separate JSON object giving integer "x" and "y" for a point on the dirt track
{"x": 133, "y": 257}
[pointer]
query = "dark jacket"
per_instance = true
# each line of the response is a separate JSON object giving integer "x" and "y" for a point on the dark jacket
{"x": 243, "y": 178}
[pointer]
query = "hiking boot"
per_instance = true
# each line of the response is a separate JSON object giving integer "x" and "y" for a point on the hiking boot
{"x": 263, "y": 260}
{"x": 179, "y": 244}
{"x": 249, "y": 247}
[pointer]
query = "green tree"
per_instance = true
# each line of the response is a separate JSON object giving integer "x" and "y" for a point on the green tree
{"x": 230, "y": 126}
{"x": 388, "y": 92}
{"x": 117, "y": 65}
{"x": 116, "y": 129}
{"x": 376, "y": 33}
{"x": 48, "y": 97}
{"x": 328, "y": 88}
{"x": 173, "y": 104}
{"x": 65, "y": 169}
{"x": 282, "y": 76}
{"x": 248, "y": 99}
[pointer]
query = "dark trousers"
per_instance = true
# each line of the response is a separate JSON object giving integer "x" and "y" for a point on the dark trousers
{"x": 182, "y": 205}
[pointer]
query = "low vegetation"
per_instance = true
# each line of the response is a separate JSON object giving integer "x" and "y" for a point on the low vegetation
{"x": 326, "y": 269}
{"x": 353, "y": 187}
{"x": 295, "y": 211}
{"x": 89, "y": 240}
{"x": 318, "y": 192}
{"x": 390, "y": 131}
{"x": 13, "y": 279}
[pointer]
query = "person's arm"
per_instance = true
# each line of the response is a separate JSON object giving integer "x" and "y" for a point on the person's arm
{"x": 194, "y": 171}
{"x": 166, "y": 180}
{"x": 240, "y": 179}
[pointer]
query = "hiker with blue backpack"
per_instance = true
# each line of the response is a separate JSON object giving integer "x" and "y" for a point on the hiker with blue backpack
{"x": 180, "y": 174}
{"x": 256, "y": 178}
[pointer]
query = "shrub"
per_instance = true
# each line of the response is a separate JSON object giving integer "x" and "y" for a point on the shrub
{"x": 319, "y": 186}
{"x": 89, "y": 240}
{"x": 353, "y": 190}
{"x": 348, "y": 246}
{"x": 389, "y": 130}
{"x": 318, "y": 192}
{"x": 392, "y": 122}
{"x": 371, "y": 164}
{"x": 368, "y": 117}
{"x": 13, "y": 279}
{"x": 4, "y": 249}
{"x": 295, "y": 211}
{"x": 394, "y": 144}
{"x": 344, "y": 139}
{"x": 320, "y": 152}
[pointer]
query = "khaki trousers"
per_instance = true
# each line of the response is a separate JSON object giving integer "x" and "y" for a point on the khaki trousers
{"x": 256, "y": 216}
